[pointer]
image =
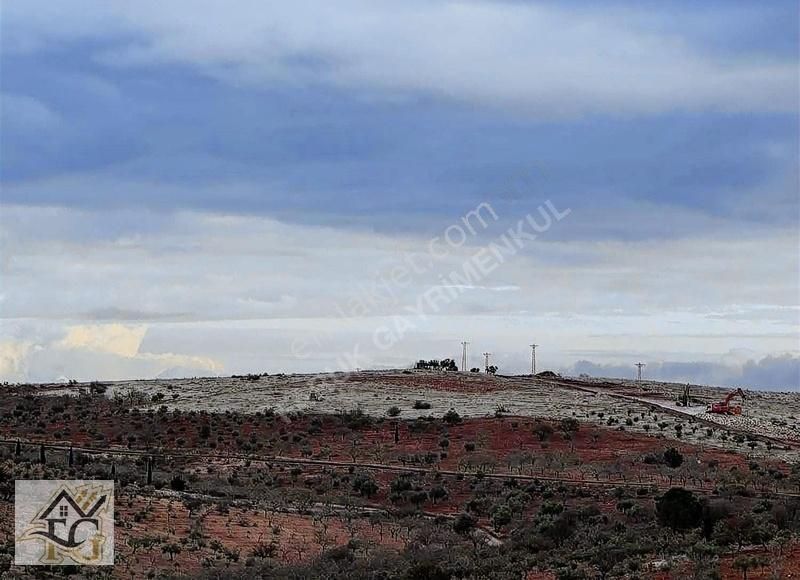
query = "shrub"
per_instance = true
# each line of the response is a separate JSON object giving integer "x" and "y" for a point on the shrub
{"x": 651, "y": 459}
{"x": 421, "y": 404}
{"x": 437, "y": 493}
{"x": 356, "y": 419}
{"x": 365, "y": 485}
{"x": 550, "y": 508}
{"x": 673, "y": 458}
{"x": 543, "y": 431}
{"x": 452, "y": 417}
{"x": 177, "y": 483}
{"x": 264, "y": 550}
{"x": 501, "y": 516}
{"x": 464, "y": 524}
{"x": 570, "y": 425}
{"x": 679, "y": 509}
{"x": 400, "y": 484}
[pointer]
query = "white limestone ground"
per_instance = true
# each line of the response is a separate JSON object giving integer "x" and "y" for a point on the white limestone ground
{"x": 769, "y": 414}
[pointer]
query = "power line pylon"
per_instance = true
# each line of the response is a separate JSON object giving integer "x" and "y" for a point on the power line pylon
{"x": 533, "y": 358}
{"x": 486, "y": 358}
{"x": 639, "y": 367}
{"x": 464, "y": 356}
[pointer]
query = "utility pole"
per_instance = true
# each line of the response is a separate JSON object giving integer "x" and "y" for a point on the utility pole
{"x": 533, "y": 358}
{"x": 486, "y": 356}
{"x": 464, "y": 356}
{"x": 639, "y": 366}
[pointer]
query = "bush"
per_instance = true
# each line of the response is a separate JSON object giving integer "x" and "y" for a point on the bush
{"x": 421, "y": 404}
{"x": 651, "y": 459}
{"x": 452, "y": 417}
{"x": 679, "y": 509}
{"x": 427, "y": 571}
{"x": 177, "y": 483}
{"x": 356, "y": 419}
{"x": 393, "y": 411}
{"x": 570, "y": 425}
{"x": 365, "y": 485}
{"x": 264, "y": 550}
{"x": 673, "y": 458}
{"x": 464, "y": 524}
{"x": 543, "y": 431}
{"x": 501, "y": 516}
{"x": 551, "y": 508}
{"x": 437, "y": 493}
{"x": 400, "y": 484}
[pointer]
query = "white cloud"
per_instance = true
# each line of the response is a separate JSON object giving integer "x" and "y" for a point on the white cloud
{"x": 92, "y": 351}
{"x": 207, "y": 292}
{"x": 111, "y": 338}
{"x": 521, "y": 56}
{"x": 13, "y": 356}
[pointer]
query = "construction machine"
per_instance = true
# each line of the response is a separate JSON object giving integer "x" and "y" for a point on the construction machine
{"x": 725, "y": 407}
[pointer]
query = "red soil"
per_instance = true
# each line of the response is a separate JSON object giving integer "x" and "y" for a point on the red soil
{"x": 786, "y": 565}
{"x": 774, "y": 565}
{"x": 540, "y": 575}
{"x": 501, "y": 445}
{"x": 237, "y": 529}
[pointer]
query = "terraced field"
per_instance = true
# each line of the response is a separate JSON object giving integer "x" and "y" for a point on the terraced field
{"x": 647, "y": 407}
{"x": 238, "y": 473}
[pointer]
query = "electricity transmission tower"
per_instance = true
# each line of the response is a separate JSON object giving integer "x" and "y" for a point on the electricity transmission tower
{"x": 533, "y": 358}
{"x": 639, "y": 370}
{"x": 486, "y": 356}
{"x": 464, "y": 356}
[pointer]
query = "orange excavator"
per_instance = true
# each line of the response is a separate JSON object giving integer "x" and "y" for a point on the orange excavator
{"x": 725, "y": 407}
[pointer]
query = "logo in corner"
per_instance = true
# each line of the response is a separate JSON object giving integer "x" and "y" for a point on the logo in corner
{"x": 60, "y": 523}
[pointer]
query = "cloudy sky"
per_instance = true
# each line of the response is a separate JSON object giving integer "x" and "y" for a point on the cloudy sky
{"x": 199, "y": 187}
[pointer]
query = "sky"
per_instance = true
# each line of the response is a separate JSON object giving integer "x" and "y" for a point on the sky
{"x": 199, "y": 188}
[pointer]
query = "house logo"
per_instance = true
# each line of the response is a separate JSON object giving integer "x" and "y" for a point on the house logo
{"x": 62, "y": 523}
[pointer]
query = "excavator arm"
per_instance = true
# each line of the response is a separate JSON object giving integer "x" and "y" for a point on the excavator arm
{"x": 725, "y": 407}
{"x": 732, "y": 394}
